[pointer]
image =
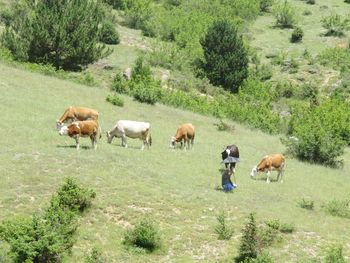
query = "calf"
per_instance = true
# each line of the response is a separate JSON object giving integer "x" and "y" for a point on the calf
{"x": 73, "y": 113}
{"x": 131, "y": 129}
{"x": 269, "y": 163}
{"x": 185, "y": 134}
{"x": 230, "y": 156}
{"x": 89, "y": 128}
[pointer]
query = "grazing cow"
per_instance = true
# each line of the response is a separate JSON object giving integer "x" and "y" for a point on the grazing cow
{"x": 131, "y": 129}
{"x": 77, "y": 129}
{"x": 269, "y": 163}
{"x": 185, "y": 134}
{"x": 230, "y": 156}
{"x": 73, "y": 113}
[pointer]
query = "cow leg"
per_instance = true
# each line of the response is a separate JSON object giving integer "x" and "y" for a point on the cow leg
{"x": 77, "y": 142}
{"x": 94, "y": 142}
{"x": 268, "y": 177}
{"x": 124, "y": 143}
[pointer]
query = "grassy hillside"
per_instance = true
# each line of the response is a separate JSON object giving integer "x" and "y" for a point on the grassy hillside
{"x": 176, "y": 187}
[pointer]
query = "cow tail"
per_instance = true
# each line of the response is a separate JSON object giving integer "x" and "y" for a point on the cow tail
{"x": 150, "y": 139}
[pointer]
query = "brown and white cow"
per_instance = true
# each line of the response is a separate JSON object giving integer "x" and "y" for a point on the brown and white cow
{"x": 131, "y": 129}
{"x": 185, "y": 134}
{"x": 77, "y": 129}
{"x": 73, "y": 113}
{"x": 269, "y": 163}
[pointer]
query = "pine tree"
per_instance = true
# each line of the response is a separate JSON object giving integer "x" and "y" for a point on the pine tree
{"x": 225, "y": 56}
{"x": 63, "y": 33}
{"x": 248, "y": 247}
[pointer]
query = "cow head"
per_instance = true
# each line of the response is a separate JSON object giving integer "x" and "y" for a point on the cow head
{"x": 58, "y": 125}
{"x": 254, "y": 172}
{"x": 63, "y": 130}
{"x": 225, "y": 154}
{"x": 172, "y": 142}
{"x": 109, "y": 137}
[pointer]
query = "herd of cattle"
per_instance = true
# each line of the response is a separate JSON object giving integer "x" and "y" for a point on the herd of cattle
{"x": 77, "y": 122}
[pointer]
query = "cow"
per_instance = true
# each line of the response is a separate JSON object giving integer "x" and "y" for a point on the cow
{"x": 73, "y": 113}
{"x": 77, "y": 129}
{"x": 185, "y": 134}
{"x": 230, "y": 156}
{"x": 131, "y": 129}
{"x": 269, "y": 163}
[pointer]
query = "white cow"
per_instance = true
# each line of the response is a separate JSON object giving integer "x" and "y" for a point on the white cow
{"x": 131, "y": 129}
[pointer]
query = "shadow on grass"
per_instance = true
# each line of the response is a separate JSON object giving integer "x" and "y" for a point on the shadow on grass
{"x": 74, "y": 146}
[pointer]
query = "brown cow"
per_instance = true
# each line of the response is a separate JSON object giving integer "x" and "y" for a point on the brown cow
{"x": 89, "y": 128}
{"x": 73, "y": 113}
{"x": 269, "y": 163}
{"x": 185, "y": 133}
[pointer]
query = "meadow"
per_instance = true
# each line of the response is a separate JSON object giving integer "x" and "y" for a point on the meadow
{"x": 176, "y": 188}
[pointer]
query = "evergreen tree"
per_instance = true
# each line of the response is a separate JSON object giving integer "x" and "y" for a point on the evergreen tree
{"x": 63, "y": 33}
{"x": 225, "y": 56}
{"x": 248, "y": 247}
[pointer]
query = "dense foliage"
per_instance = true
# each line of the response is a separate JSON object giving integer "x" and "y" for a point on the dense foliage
{"x": 45, "y": 237}
{"x": 225, "y": 61}
{"x": 70, "y": 42}
{"x": 248, "y": 245}
{"x": 109, "y": 35}
{"x": 285, "y": 15}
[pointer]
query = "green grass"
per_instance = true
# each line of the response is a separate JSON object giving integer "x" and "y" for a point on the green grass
{"x": 176, "y": 187}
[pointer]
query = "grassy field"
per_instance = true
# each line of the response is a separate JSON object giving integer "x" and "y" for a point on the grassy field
{"x": 176, "y": 187}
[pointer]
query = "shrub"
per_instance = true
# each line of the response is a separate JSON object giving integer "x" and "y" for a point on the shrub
{"x": 347, "y": 1}
{"x": 109, "y": 35}
{"x": 115, "y": 100}
{"x": 265, "y": 5}
{"x": 334, "y": 254}
{"x": 338, "y": 208}
{"x": 287, "y": 228}
{"x": 117, "y": 4}
{"x": 73, "y": 197}
{"x": 248, "y": 245}
{"x": 311, "y": 2}
{"x": 306, "y": 204}
{"x": 144, "y": 235}
{"x": 337, "y": 58}
{"x": 147, "y": 91}
{"x": 95, "y": 256}
{"x": 225, "y": 60}
{"x": 285, "y": 15}
{"x": 274, "y": 224}
{"x": 266, "y": 236}
{"x": 138, "y": 13}
{"x": 224, "y": 231}
{"x": 33, "y": 35}
{"x": 223, "y": 126}
{"x": 335, "y": 25}
{"x": 297, "y": 35}
{"x": 119, "y": 84}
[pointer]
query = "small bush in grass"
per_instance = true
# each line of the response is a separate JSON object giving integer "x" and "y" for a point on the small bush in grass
{"x": 248, "y": 248}
{"x": 224, "y": 231}
{"x": 144, "y": 235}
{"x": 223, "y": 126}
{"x": 307, "y": 13}
{"x": 266, "y": 236}
{"x": 115, "y": 100}
{"x": 147, "y": 91}
{"x": 287, "y": 228}
{"x": 297, "y": 35}
{"x": 108, "y": 34}
{"x": 306, "y": 204}
{"x": 285, "y": 15}
{"x": 347, "y": 1}
{"x": 335, "y": 25}
{"x": 265, "y": 5}
{"x": 263, "y": 258}
{"x": 120, "y": 84}
{"x": 334, "y": 254}
{"x": 74, "y": 197}
{"x": 311, "y": 2}
{"x": 338, "y": 208}
{"x": 273, "y": 223}
{"x": 94, "y": 256}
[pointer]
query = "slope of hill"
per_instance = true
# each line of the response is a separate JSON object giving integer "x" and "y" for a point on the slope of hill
{"x": 176, "y": 187}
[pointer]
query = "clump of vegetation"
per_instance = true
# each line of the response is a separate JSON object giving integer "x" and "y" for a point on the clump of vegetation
{"x": 95, "y": 256}
{"x": 109, "y": 35}
{"x": 287, "y": 228}
{"x": 334, "y": 254}
{"x": 115, "y": 100}
{"x": 248, "y": 248}
{"x": 338, "y": 208}
{"x": 223, "y": 126}
{"x": 225, "y": 60}
{"x": 223, "y": 230}
{"x": 265, "y": 5}
{"x": 335, "y": 25}
{"x": 311, "y": 2}
{"x": 32, "y": 36}
{"x": 46, "y": 237}
{"x": 297, "y": 35}
{"x": 285, "y": 15}
{"x": 306, "y": 204}
{"x": 144, "y": 235}
{"x": 337, "y": 58}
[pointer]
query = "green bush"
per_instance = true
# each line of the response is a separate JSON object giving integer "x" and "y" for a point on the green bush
{"x": 335, "y": 25}
{"x": 287, "y": 228}
{"x": 306, "y": 204}
{"x": 334, "y": 254}
{"x": 147, "y": 91}
{"x": 95, "y": 256}
{"x": 338, "y": 208}
{"x": 32, "y": 36}
{"x": 223, "y": 126}
{"x": 265, "y": 5}
{"x": 311, "y": 2}
{"x": 297, "y": 35}
{"x": 116, "y": 4}
{"x": 225, "y": 60}
{"x": 337, "y": 58}
{"x": 119, "y": 84}
{"x": 266, "y": 236}
{"x": 223, "y": 230}
{"x": 115, "y": 100}
{"x": 347, "y": 1}
{"x": 109, "y": 35}
{"x": 144, "y": 235}
{"x": 248, "y": 248}
{"x": 285, "y": 15}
